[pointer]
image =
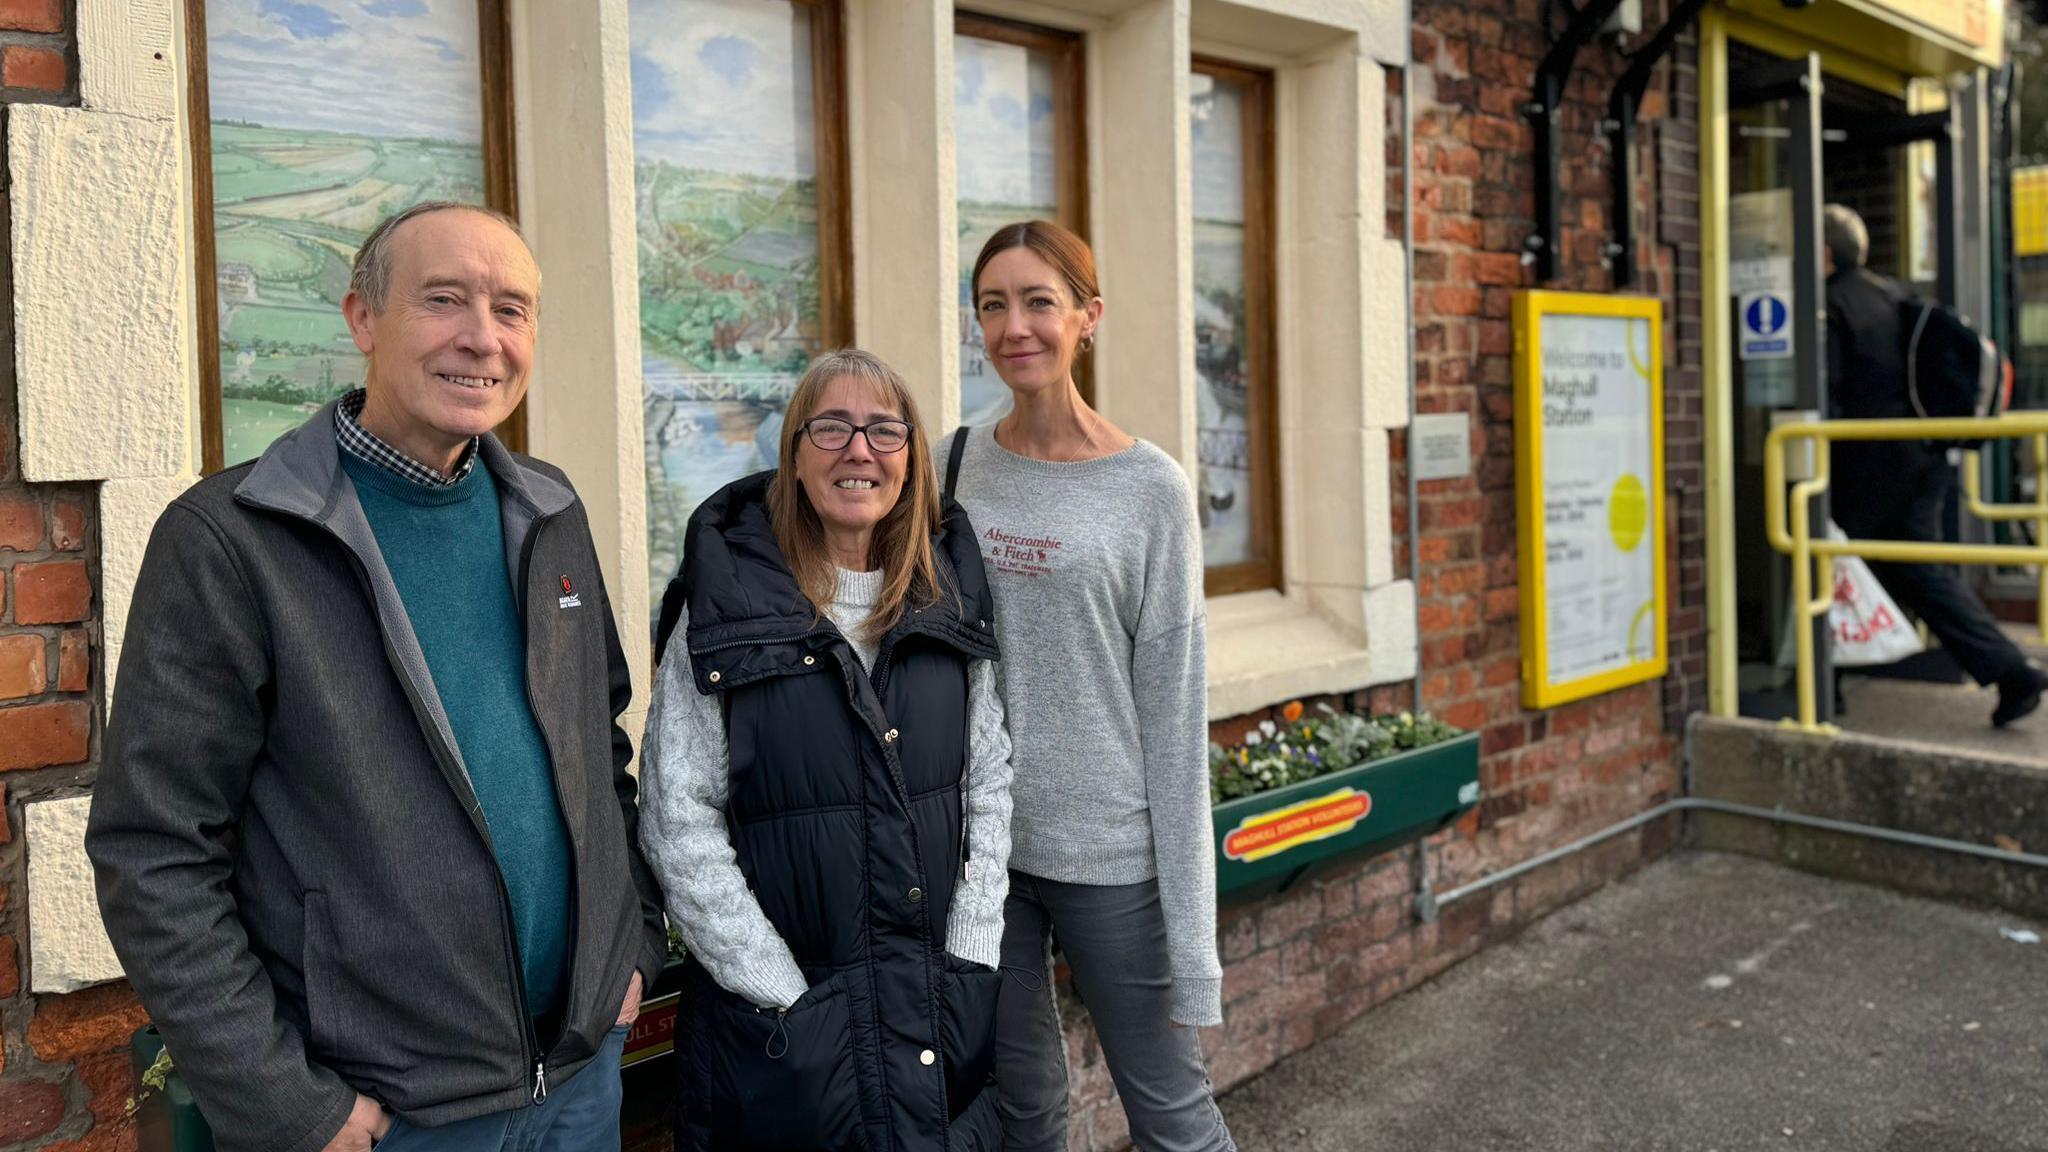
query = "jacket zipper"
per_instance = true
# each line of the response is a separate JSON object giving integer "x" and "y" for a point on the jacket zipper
{"x": 540, "y": 1064}
{"x": 528, "y": 1042}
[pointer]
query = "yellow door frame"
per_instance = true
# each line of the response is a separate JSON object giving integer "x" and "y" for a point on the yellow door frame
{"x": 1719, "y": 25}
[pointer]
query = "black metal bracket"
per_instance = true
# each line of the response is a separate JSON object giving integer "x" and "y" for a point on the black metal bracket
{"x": 1622, "y": 105}
{"x": 1551, "y": 77}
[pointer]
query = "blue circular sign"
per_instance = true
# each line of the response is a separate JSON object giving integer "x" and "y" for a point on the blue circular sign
{"x": 1766, "y": 315}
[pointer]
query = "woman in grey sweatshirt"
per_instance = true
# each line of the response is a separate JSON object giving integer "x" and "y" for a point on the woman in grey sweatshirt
{"x": 1093, "y": 552}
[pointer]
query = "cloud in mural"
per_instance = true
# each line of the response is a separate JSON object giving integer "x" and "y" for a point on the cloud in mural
{"x": 383, "y": 68}
{"x": 304, "y": 21}
{"x": 723, "y": 85}
{"x": 1003, "y": 121}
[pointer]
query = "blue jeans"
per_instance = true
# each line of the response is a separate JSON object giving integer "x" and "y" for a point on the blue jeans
{"x": 579, "y": 1115}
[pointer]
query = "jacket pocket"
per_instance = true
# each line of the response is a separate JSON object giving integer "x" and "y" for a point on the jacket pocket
{"x": 967, "y": 1028}
{"x": 346, "y": 1022}
{"x": 780, "y": 1080}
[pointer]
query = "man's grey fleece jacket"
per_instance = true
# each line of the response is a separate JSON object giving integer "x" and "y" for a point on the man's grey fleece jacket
{"x": 291, "y": 862}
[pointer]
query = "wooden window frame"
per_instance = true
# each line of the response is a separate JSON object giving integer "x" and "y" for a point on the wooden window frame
{"x": 833, "y": 172}
{"x": 1262, "y": 422}
{"x": 494, "y": 55}
{"x": 1069, "y": 52}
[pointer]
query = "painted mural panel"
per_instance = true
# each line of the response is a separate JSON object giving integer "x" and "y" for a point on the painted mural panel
{"x": 725, "y": 174}
{"x": 1002, "y": 98}
{"x": 1223, "y": 431}
{"x": 325, "y": 118}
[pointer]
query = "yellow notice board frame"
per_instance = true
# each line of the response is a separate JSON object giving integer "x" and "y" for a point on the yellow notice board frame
{"x": 1532, "y": 307}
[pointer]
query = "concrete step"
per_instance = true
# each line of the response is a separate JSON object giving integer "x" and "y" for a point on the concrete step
{"x": 1970, "y": 795}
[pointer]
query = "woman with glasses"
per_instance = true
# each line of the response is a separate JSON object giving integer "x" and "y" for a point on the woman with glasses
{"x": 826, "y": 797}
{"x": 1095, "y": 557}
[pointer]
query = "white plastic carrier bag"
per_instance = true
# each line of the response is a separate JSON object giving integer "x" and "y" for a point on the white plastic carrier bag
{"x": 1868, "y": 626}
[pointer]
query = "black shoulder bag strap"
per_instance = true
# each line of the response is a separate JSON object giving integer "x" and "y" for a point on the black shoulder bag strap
{"x": 953, "y": 456}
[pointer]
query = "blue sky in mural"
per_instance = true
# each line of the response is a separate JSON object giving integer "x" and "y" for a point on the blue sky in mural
{"x": 1216, "y": 129}
{"x": 1003, "y": 118}
{"x": 382, "y": 67}
{"x": 722, "y": 84}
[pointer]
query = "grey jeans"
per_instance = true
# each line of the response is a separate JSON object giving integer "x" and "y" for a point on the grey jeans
{"x": 1114, "y": 939}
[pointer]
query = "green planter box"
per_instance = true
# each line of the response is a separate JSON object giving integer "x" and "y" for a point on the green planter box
{"x": 1265, "y": 843}
{"x": 166, "y": 1121}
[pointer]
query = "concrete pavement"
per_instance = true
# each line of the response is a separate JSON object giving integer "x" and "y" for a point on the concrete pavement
{"x": 1712, "y": 1003}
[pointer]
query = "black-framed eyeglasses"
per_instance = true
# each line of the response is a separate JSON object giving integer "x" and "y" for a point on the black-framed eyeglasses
{"x": 830, "y": 433}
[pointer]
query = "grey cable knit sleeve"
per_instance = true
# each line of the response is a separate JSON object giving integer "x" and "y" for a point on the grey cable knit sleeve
{"x": 974, "y": 926}
{"x": 683, "y": 791}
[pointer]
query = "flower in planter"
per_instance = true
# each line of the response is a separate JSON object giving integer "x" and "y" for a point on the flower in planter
{"x": 1306, "y": 746}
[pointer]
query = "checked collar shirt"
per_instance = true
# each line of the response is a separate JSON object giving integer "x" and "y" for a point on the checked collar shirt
{"x": 366, "y": 446}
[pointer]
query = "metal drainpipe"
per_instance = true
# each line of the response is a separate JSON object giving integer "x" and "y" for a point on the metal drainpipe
{"x": 1422, "y": 892}
{"x": 1697, "y": 804}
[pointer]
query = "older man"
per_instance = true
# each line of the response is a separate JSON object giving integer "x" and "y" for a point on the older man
{"x": 364, "y": 837}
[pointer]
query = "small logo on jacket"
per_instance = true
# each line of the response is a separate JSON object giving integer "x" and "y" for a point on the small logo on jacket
{"x": 569, "y": 597}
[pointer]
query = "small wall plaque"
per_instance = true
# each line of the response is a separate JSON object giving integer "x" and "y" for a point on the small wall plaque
{"x": 1441, "y": 446}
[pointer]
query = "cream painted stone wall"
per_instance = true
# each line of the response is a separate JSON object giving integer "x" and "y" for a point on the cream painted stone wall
{"x": 99, "y": 296}
{"x": 128, "y": 511}
{"x": 133, "y": 52}
{"x": 905, "y": 219}
{"x": 574, "y": 152}
{"x": 68, "y": 947}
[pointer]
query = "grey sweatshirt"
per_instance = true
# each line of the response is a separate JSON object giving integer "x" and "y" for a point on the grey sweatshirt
{"x": 1097, "y": 572}
{"x": 683, "y": 789}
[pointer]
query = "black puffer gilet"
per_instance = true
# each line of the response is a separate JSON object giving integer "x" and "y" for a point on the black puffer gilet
{"x": 846, "y": 815}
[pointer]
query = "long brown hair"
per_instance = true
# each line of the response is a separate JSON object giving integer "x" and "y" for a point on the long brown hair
{"x": 902, "y": 543}
{"x": 1068, "y": 254}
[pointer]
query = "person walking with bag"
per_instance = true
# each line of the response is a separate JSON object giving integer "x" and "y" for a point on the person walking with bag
{"x": 1899, "y": 489}
{"x": 826, "y": 792}
{"x": 1094, "y": 554}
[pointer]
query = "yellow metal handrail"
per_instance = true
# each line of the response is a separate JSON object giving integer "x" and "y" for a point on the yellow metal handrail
{"x": 2012, "y": 513}
{"x": 1813, "y": 558}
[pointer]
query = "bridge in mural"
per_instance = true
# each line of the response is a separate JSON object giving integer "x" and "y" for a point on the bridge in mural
{"x": 1224, "y": 448}
{"x": 743, "y": 387}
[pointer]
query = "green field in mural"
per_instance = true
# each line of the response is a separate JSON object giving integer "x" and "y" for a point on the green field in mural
{"x": 290, "y": 208}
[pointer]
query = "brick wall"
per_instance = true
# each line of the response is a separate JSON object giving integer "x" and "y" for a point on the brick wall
{"x": 64, "y": 1074}
{"x": 1305, "y": 964}
{"x": 38, "y": 56}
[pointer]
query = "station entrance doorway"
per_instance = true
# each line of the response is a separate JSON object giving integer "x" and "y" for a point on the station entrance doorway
{"x": 1795, "y": 142}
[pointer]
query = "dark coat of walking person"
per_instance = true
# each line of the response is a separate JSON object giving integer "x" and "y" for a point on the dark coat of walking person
{"x": 827, "y": 793}
{"x": 1900, "y": 489}
{"x": 1094, "y": 556}
{"x": 365, "y": 836}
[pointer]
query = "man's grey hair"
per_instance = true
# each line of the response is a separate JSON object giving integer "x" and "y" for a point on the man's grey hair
{"x": 1847, "y": 240}
{"x": 371, "y": 278}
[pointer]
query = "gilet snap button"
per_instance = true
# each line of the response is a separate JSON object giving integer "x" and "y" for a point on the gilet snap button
{"x": 810, "y": 660}
{"x": 916, "y": 895}
{"x": 714, "y": 677}
{"x": 889, "y": 737}
{"x": 927, "y": 1057}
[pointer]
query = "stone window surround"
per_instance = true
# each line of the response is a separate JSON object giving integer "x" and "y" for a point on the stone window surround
{"x": 1342, "y": 621}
